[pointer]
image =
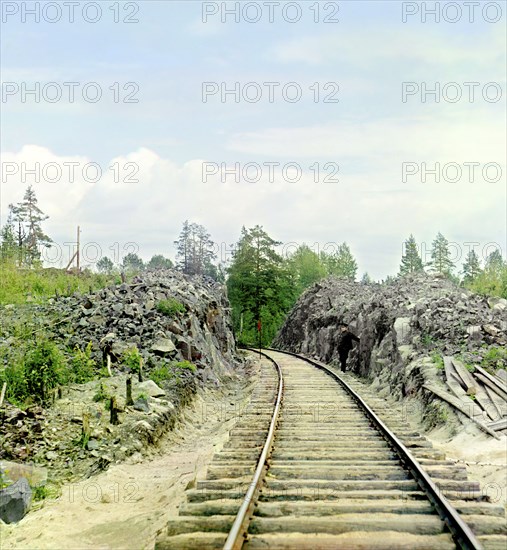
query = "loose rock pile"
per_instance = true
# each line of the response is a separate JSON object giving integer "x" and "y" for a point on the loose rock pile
{"x": 120, "y": 317}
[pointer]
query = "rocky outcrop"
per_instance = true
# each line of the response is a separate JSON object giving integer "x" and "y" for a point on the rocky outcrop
{"x": 402, "y": 326}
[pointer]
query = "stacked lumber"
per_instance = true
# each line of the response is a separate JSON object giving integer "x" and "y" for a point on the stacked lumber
{"x": 479, "y": 395}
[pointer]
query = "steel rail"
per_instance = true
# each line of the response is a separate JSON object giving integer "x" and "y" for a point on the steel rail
{"x": 461, "y": 532}
{"x": 238, "y": 530}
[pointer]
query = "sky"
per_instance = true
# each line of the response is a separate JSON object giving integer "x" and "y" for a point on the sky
{"x": 324, "y": 122}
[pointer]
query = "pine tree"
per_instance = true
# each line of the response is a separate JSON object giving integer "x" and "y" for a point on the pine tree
{"x": 347, "y": 265}
{"x": 494, "y": 262}
{"x": 8, "y": 243}
{"x": 159, "y": 262}
{"x": 105, "y": 265}
{"x": 411, "y": 261}
{"x": 471, "y": 267}
{"x": 440, "y": 256}
{"x": 366, "y": 279}
{"x": 29, "y": 217}
{"x": 341, "y": 264}
{"x": 195, "y": 250}
{"x": 306, "y": 267}
{"x": 132, "y": 263}
{"x": 260, "y": 286}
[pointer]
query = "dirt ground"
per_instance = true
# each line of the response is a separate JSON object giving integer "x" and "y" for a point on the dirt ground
{"x": 125, "y": 506}
{"x": 485, "y": 459}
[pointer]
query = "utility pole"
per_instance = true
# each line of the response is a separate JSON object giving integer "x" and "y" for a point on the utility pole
{"x": 78, "y": 247}
{"x": 76, "y": 253}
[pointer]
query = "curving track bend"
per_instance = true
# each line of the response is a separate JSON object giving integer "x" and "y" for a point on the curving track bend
{"x": 334, "y": 477}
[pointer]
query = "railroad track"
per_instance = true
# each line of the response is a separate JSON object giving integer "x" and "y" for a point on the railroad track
{"x": 319, "y": 469}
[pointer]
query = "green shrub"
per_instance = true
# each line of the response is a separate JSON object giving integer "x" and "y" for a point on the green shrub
{"x": 186, "y": 365}
{"x": 161, "y": 374}
{"x": 426, "y": 340}
{"x": 44, "y": 369}
{"x": 170, "y": 307}
{"x": 101, "y": 393}
{"x": 40, "y": 493}
{"x": 82, "y": 366}
{"x": 494, "y": 359}
{"x": 133, "y": 359}
{"x": 171, "y": 371}
{"x": 438, "y": 360}
{"x": 14, "y": 375}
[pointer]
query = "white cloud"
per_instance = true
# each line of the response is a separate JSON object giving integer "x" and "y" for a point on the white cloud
{"x": 374, "y": 212}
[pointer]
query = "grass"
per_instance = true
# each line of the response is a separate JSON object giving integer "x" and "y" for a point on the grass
{"x": 161, "y": 374}
{"x": 438, "y": 360}
{"x": 101, "y": 394}
{"x": 427, "y": 340}
{"x": 37, "y": 285}
{"x": 170, "y": 307}
{"x": 494, "y": 359}
{"x": 170, "y": 371}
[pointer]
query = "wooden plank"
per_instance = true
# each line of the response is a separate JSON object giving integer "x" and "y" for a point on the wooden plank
{"x": 448, "y": 366}
{"x": 475, "y": 389}
{"x": 453, "y": 380}
{"x": 500, "y": 404}
{"x": 460, "y": 406}
{"x": 455, "y": 385}
{"x": 482, "y": 398}
{"x": 461, "y": 391}
{"x": 468, "y": 380}
{"x": 492, "y": 386}
{"x": 492, "y": 379}
{"x": 500, "y": 425}
{"x": 501, "y": 374}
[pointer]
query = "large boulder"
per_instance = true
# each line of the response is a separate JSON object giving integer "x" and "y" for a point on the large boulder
{"x": 163, "y": 346}
{"x": 15, "y": 501}
{"x": 150, "y": 388}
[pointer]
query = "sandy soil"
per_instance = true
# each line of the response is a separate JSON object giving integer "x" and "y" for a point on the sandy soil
{"x": 485, "y": 459}
{"x": 124, "y": 507}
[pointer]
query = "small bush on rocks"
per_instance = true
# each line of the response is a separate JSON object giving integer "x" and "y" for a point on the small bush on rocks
{"x": 171, "y": 371}
{"x": 101, "y": 394}
{"x": 14, "y": 375}
{"x": 44, "y": 369}
{"x": 170, "y": 307}
{"x": 133, "y": 359}
{"x": 186, "y": 365}
{"x": 82, "y": 366}
{"x": 161, "y": 374}
{"x": 437, "y": 359}
{"x": 494, "y": 359}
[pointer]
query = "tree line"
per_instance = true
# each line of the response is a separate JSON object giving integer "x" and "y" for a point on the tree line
{"x": 262, "y": 284}
{"x": 488, "y": 277}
